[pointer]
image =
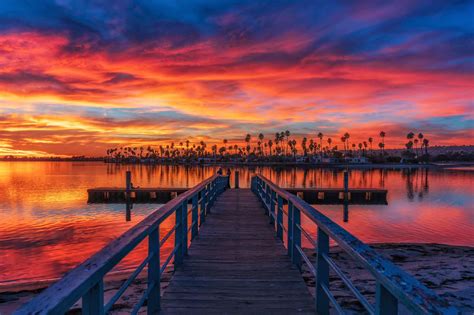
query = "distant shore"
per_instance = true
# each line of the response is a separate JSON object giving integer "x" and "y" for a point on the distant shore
{"x": 446, "y": 269}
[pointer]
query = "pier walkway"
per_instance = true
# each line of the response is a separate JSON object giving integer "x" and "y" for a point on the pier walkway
{"x": 237, "y": 265}
{"x": 229, "y": 258}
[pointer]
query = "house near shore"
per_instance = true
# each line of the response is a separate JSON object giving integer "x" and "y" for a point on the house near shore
{"x": 356, "y": 160}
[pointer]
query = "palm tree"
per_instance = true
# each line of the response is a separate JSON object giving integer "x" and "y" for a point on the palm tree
{"x": 287, "y": 135}
{"x": 248, "y": 137}
{"x": 303, "y": 146}
{"x": 370, "y": 141}
{"x": 410, "y": 136}
{"x": 260, "y": 137}
{"x": 343, "y": 140}
{"x": 382, "y": 135}
{"x": 346, "y": 139}
{"x": 320, "y": 136}
{"x": 270, "y": 145}
{"x": 426, "y": 142}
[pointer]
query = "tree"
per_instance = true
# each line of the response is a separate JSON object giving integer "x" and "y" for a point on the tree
{"x": 270, "y": 145}
{"x": 260, "y": 137}
{"x": 287, "y": 135}
{"x": 410, "y": 137}
{"x": 382, "y": 135}
{"x": 320, "y": 136}
{"x": 426, "y": 143}
{"x": 248, "y": 137}
{"x": 303, "y": 146}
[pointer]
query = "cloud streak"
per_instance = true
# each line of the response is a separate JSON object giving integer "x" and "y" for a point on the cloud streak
{"x": 76, "y": 74}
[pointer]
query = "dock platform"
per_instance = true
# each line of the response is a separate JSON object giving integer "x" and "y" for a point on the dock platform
{"x": 237, "y": 265}
{"x": 321, "y": 196}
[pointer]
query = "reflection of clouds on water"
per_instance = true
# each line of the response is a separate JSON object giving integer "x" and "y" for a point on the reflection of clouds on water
{"x": 46, "y": 219}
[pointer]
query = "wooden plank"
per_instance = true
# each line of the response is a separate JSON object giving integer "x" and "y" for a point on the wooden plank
{"x": 236, "y": 264}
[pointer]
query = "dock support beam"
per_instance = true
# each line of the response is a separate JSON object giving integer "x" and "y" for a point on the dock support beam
{"x": 236, "y": 179}
{"x": 128, "y": 180}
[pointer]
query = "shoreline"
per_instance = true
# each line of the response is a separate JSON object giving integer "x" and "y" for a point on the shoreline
{"x": 362, "y": 166}
{"x": 446, "y": 269}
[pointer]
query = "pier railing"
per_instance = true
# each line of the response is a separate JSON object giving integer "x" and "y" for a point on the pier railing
{"x": 393, "y": 285}
{"x": 86, "y": 281}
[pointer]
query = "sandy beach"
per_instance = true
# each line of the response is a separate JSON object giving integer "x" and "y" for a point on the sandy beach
{"x": 448, "y": 270}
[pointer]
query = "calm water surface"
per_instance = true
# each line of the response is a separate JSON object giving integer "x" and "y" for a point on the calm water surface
{"x": 48, "y": 227}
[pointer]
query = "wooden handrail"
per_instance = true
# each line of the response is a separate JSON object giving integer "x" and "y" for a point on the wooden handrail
{"x": 393, "y": 283}
{"x": 59, "y": 297}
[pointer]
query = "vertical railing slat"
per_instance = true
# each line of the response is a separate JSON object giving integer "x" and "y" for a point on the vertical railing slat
{"x": 322, "y": 273}
{"x": 280, "y": 218}
{"x": 93, "y": 300}
{"x": 290, "y": 229}
{"x": 203, "y": 206}
{"x": 178, "y": 238}
{"x": 272, "y": 206}
{"x": 153, "y": 304}
{"x": 296, "y": 237}
{"x": 195, "y": 217}
{"x": 184, "y": 224}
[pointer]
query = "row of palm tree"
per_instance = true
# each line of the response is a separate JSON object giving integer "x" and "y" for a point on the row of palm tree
{"x": 281, "y": 145}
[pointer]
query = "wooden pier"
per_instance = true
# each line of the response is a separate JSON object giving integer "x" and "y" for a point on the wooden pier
{"x": 237, "y": 262}
{"x": 237, "y": 266}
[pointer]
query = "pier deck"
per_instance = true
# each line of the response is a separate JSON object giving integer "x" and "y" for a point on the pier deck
{"x": 237, "y": 265}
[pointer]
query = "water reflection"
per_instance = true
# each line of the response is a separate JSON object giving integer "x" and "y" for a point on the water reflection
{"x": 46, "y": 220}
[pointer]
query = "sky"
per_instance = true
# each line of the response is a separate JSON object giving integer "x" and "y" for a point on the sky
{"x": 78, "y": 77}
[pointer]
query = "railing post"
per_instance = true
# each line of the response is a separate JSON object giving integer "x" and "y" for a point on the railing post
{"x": 290, "y": 229}
{"x": 272, "y": 206}
{"x": 267, "y": 199}
{"x": 280, "y": 218}
{"x": 194, "y": 221}
{"x": 178, "y": 237}
{"x": 208, "y": 198}
{"x": 385, "y": 302}
{"x": 203, "y": 206}
{"x": 153, "y": 305}
{"x": 93, "y": 300}
{"x": 184, "y": 224}
{"x": 295, "y": 254}
{"x": 322, "y": 273}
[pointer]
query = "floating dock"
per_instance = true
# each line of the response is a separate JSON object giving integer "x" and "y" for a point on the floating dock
{"x": 163, "y": 195}
{"x": 135, "y": 195}
{"x": 328, "y": 196}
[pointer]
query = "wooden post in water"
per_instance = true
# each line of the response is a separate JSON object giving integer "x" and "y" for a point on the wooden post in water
{"x": 128, "y": 180}
{"x": 346, "y": 186}
{"x": 236, "y": 179}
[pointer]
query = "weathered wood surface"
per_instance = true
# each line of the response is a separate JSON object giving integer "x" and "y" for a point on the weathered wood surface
{"x": 236, "y": 265}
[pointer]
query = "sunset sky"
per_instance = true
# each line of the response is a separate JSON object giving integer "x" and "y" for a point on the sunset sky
{"x": 78, "y": 77}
